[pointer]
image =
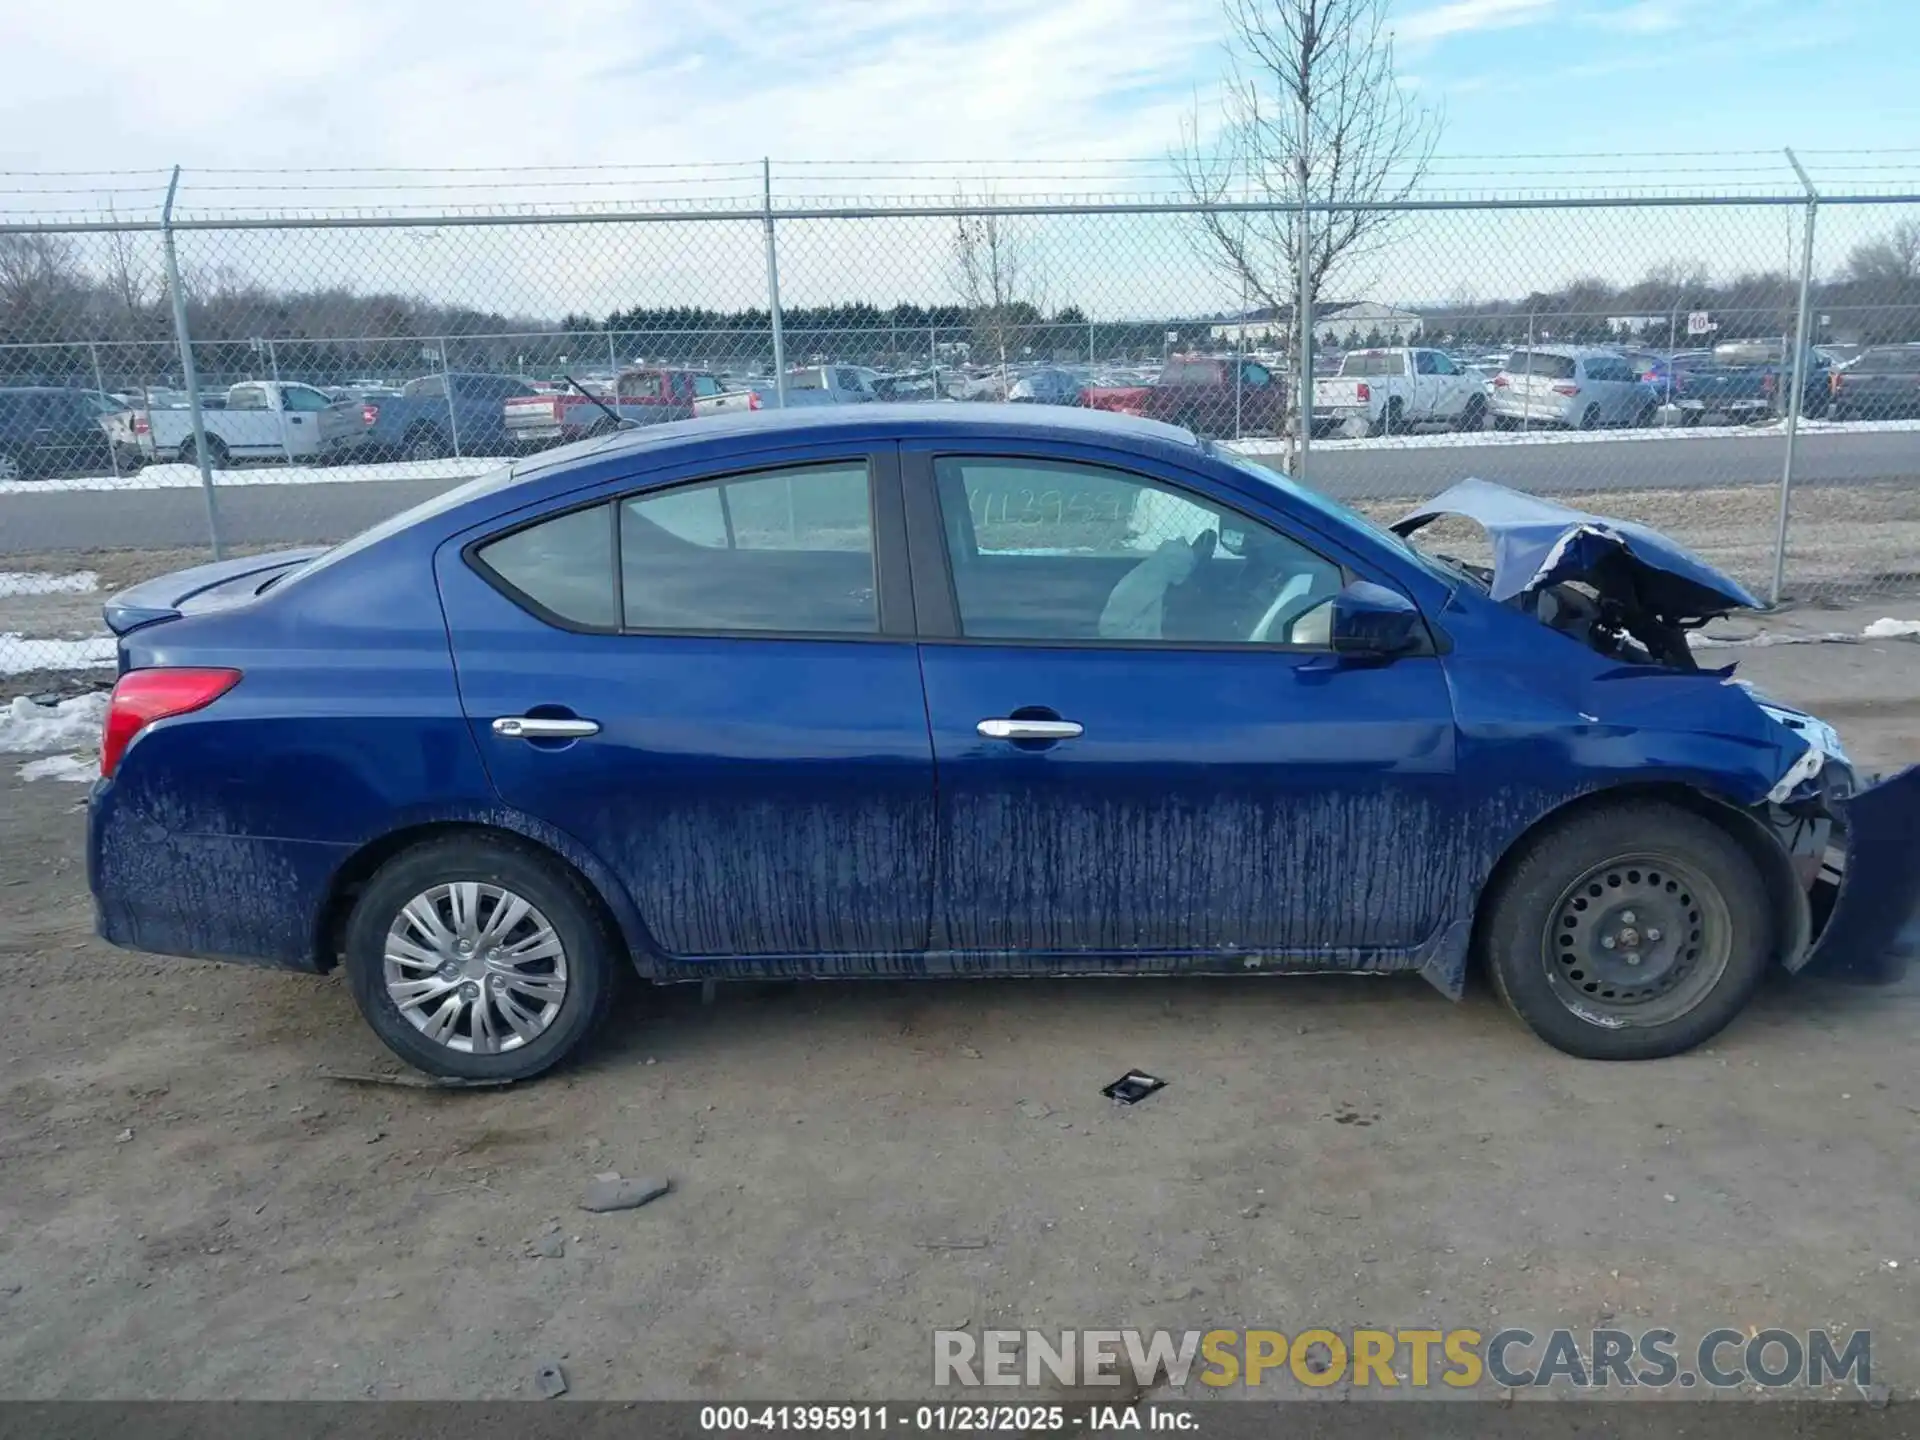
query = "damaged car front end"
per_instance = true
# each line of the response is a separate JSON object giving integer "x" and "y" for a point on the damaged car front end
{"x": 1635, "y": 597}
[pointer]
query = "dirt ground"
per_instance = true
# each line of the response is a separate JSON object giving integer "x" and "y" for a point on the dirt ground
{"x": 189, "y": 1208}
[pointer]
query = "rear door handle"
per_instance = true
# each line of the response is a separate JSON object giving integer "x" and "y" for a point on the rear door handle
{"x": 1030, "y": 729}
{"x": 539, "y": 727}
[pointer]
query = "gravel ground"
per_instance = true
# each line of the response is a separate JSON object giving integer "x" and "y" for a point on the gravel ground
{"x": 188, "y": 1207}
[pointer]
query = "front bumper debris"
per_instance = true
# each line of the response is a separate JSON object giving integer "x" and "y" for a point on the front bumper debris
{"x": 1874, "y": 928}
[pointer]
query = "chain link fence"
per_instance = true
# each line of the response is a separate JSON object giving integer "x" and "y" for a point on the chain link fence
{"x": 183, "y": 383}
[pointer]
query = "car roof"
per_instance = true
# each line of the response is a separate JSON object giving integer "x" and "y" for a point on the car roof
{"x": 1575, "y": 352}
{"x": 873, "y": 422}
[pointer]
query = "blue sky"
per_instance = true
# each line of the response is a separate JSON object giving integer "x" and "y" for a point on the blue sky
{"x": 894, "y": 97}
{"x": 368, "y": 82}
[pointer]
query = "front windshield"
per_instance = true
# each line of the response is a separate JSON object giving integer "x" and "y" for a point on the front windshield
{"x": 1340, "y": 514}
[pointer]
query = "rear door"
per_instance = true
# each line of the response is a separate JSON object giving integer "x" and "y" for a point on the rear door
{"x": 710, "y": 683}
{"x": 1144, "y": 749}
{"x": 249, "y": 425}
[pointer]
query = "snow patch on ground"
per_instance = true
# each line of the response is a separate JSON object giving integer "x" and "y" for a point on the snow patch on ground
{"x": 20, "y": 655}
{"x": 77, "y": 768}
{"x": 1893, "y": 630}
{"x": 1475, "y": 439}
{"x": 42, "y": 582}
{"x": 30, "y": 729}
{"x": 174, "y": 476}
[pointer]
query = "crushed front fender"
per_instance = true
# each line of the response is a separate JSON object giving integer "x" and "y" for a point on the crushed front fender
{"x": 1874, "y": 927}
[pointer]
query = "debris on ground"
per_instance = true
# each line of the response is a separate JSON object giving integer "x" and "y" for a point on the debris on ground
{"x": 411, "y": 1082}
{"x": 605, "y": 1194}
{"x": 550, "y": 1380}
{"x": 1034, "y": 1110}
{"x": 1133, "y": 1087}
{"x": 550, "y": 1246}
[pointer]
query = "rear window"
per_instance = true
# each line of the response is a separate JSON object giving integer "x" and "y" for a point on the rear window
{"x": 1902, "y": 361}
{"x": 1378, "y": 362}
{"x": 1550, "y": 367}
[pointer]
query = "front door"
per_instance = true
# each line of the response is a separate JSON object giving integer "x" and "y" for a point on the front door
{"x": 704, "y": 686}
{"x": 1142, "y": 744}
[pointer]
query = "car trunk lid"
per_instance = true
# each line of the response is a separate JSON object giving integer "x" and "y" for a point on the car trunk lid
{"x": 202, "y": 588}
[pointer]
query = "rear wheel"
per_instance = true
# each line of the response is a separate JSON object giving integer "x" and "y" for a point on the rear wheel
{"x": 473, "y": 957}
{"x": 425, "y": 444}
{"x": 1629, "y": 933}
{"x": 1474, "y": 417}
{"x": 1646, "y": 415}
{"x": 1590, "y": 418}
{"x": 1391, "y": 420}
{"x": 217, "y": 456}
{"x": 1505, "y": 422}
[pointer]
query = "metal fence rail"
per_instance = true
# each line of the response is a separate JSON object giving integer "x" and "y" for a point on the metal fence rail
{"x": 385, "y": 330}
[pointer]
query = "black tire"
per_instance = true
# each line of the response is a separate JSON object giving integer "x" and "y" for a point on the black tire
{"x": 1590, "y": 418}
{"x": 1690, "y": 418}
{"x": 1648, "y": 413}
{"x": 1474, "y": 417}
{"x": 1391, "y": 422}
{"x": 1505, "y": 422}
{"x": 593, "y": 957}
{"x": 1643, "y": 855}
{"x": 217, "y": 456}
{"x": 425, "y": 443}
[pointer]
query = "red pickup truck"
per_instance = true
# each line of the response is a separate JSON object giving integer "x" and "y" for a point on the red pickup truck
{"x": 645, "y": 395}
{"x": 1199, "y": 393}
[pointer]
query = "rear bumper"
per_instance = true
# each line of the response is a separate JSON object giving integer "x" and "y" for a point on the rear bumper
{"x": 1508, "y": 406}
{"x": 1873, "y": 931}
{"x": 206, "y": 897}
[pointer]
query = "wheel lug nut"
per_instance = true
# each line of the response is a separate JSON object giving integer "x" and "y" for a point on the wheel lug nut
{"x": 1633, "y": 959}
{"x": 1606, "y": 942}
{"x": 1626, "y": 917}
{"x": 498, "y": 982}
{"x": 469, "y": 991}
{"x": 1652, "y": 934}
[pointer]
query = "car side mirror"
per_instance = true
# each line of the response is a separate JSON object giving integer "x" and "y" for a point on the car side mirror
{"x": 1371, "y": 622}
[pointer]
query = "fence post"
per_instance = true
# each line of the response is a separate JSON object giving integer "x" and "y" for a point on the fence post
{"x": 113, "y": 450}
{"x": 1798, "y": 372}
{"x": 773, "y": 289}
{"x": 453, "y": 411}
{"x": 1090, "y": 359}
{"x": 188, "y": 375}
{"x": 1303, "y": 309}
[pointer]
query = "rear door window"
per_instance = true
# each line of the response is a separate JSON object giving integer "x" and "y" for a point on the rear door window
{"x": 1373, "y": 363}
{"x": 780, "y": 551}
{"x": 560, "y": 569}
{"x": 1535, "y": 362}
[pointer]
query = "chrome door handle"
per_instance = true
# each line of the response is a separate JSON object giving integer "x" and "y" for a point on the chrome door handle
{"x": 536, "y": 727}
{"x": 1030, "y": 729}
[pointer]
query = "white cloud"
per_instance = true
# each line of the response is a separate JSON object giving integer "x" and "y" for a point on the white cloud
{"x": 1462, "y": 17}
{"x": 1647, "y": 17}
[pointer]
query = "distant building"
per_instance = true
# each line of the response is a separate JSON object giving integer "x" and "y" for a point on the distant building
{"x": 1351, "y": 323}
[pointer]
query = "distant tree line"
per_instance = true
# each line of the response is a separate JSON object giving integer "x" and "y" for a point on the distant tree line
{"x": 62, "y": 311}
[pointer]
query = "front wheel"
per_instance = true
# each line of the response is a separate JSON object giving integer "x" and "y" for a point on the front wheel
{"x": 1474, "y": 417}
{"x": 1631, "y": 932}
{"x": 477, "y": 958}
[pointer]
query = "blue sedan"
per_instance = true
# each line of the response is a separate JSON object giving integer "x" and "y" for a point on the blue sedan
{"x": 970, "y": 691}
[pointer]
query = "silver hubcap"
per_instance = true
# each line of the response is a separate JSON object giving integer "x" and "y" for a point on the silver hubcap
{"x": 475, "y": 967}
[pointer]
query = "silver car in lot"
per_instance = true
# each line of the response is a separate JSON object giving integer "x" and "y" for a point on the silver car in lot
{"x": 1575, "y": 386}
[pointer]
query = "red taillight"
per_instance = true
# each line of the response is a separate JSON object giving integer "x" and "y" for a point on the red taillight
{"x": 1833, "y": 382}
{"x": 1363, "y": 391}
{"x": 1566, "y": 389}
{"x": 369, "y": 413}
{"x": 753, "y": 400}
{"x": 1769, "y": 384}
{"x": 1500, "y": 382}
{"x": 141, "y": 426}
{"x": 144, "y": 696}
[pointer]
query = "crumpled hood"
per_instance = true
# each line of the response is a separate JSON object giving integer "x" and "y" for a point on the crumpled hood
{"x": 1538, "y": 543}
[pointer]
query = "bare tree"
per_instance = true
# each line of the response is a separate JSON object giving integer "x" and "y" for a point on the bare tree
{"x": 130, "y": 281}
{"x": 1896, "y": 257}
{"x": 998, "y": 272}
{"x": 1313, "y": 111}
{"x": 39, "y": 281}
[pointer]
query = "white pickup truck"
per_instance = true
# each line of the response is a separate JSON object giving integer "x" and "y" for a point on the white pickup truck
{"x": 262, "y": 420}
{"x": 1391, "y": 391}
{"x": 814, "y": 385}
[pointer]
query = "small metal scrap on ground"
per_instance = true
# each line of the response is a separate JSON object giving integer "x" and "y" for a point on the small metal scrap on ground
{"x": 550, "y": 1380}
{"x": 1133, "y": 1087}
{"x": 412, "y": 1082}
{"x": 610, "y": 1192}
